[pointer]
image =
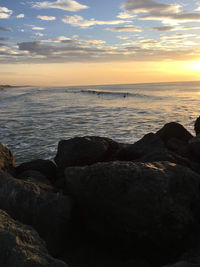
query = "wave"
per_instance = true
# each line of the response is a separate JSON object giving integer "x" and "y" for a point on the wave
{"x": 112, "y": 93}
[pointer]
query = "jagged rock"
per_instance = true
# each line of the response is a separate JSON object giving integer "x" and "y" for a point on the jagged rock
{"x": 47, "y": 212}
{"x": 174, "y": 130}
{"x": 197, "y": 126}
{"x": 21, "y": 246}
{"x": 80, "y": 151}
{"x": 45, "y": 167}
{"x": 7, "y": 161}
{"x": 152, "y": 208}
{"x": 150, "y": 143}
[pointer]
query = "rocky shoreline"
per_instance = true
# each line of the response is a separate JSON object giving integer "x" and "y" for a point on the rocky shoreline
{"x": 104, "y": 204}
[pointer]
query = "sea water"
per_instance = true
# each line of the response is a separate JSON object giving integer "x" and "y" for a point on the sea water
{"x": 34, "y": 119}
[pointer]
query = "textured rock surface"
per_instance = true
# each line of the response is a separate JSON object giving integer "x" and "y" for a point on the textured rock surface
{"x": 21, "y": 246}
{"x": 143, "y": 206}
{"x": 80, "y": 151}
{"x": 46, "y": 211}
{"x": 6, "y": 158}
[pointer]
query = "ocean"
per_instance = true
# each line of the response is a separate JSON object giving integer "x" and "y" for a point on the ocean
{"x": 34, "y": 119}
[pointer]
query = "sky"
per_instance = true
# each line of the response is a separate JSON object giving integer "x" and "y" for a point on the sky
{"x": 68, "y": 42}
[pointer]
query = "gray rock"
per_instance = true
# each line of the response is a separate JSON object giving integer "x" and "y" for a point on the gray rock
{"x": 21, "y": 246}
{"x": 145, "y": 206}
{"x": 46, "y": 211}
{"x": 80, "y": 151}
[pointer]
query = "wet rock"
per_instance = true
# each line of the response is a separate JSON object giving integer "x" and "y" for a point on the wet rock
{"x": 21, "y": 246}
{"x": 150, "y": 143}
{"x": 147, "y": 208}
{"x": 7, "y": 161}
{"x": 197, "y": 126}
{"x": 174, "y": 130}
{"x": 47, "y": 212}
{"x": 45, "y": 167}
{"x": 80, "y": 151}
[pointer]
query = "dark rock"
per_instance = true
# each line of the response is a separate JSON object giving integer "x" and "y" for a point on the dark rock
{"x": 47, "y": 212}
{"x": 7, "y": 161}
{"x": 45, "y": 167}
{"x": 21, "y": 246}
{"x": 194, "y": 147}
{"x": 197, "y": 126}
{"x": 147, "y": 208}
{"x": 174, "y": 130}
{"x": 80, "y": 151}
{"x": 150, "y": 143}
{"x": 34, "y": 176}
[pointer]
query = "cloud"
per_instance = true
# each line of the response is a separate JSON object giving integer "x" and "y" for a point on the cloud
{"x": 123, "y": 37}
{"x": 174, "y": 28}
{"x": 5, "y": 29}
{"x": 39, "y": 34}
{"x": 169, "y": 14}
{"x": 127, "y": 28}
{"x": 3, "y": 39}
{"x": 83, "y": 23}
{"x": 68, "y": 5}
{"x": 5, "y": 13}
{"x": 38, "y": 28}
{"x": 149, "y": 6}
{"x": 20, "y": 16}
{"x": 46, "y": 18}
{"x": 125, "y": 15}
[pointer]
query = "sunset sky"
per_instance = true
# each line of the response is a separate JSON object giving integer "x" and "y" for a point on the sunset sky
{"x": 66, "y": 42}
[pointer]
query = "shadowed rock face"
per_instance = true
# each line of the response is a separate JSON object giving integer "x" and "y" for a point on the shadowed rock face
{"x": 80, "y": 151}
{"x": 174, "y": 130}
{"x": 148, "y": 207}
{"x": 6, "y": 158}
{"x": 46, "y": 211}
{"x": 21, "y": 246}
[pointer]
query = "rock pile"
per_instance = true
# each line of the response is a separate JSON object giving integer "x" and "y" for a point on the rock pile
{"x": 103, "y": 203}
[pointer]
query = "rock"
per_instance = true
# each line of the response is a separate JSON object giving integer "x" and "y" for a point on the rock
{"x": 197, "y": 126}
{"x": 194, "y": 147}
{"x": 80, "y": 151}
{"x": 47, "y": 212}
{"x": 21, "y": 246}
{"x": 151, "y": 209}
{"x": 45, "y": 167}
{"x": 7, "y": 161}
{"x": 150, "y": 143}
{"x": 35, "y": 177}
{"x": 174, "y": 130}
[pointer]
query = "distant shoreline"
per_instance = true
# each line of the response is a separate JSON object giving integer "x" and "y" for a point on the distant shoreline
{"x": 3, "y": 86}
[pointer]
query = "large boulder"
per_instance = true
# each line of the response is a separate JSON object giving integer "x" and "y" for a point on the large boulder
{"x": 197, "y": 126}
{"x": 45, "y": 167}
{"x": 150, "y": 143}
{"x": 7, "y": 161}
{"x": 153, "y": 208}
{"x": 46, "y": 211}
{"x": 80, "y": 151}
{"x": 174, "y": 130}
{"x": 21, "y": 246}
